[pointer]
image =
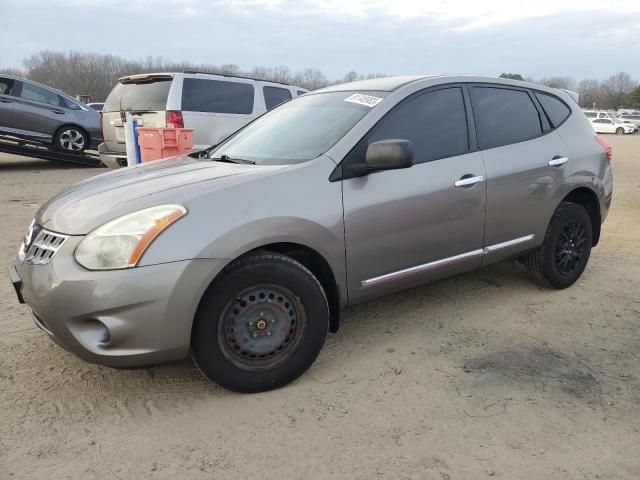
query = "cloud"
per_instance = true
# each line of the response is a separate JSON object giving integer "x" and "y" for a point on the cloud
{"x": 577, "y": 38}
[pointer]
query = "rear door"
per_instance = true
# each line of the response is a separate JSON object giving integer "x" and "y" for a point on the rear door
{"x": 38, "y": 111}
{"x": 217, "y": 108}
{"x": 6, "y": 103}
{"x": 145, "y": 96}
{"x": 526, "y": 162}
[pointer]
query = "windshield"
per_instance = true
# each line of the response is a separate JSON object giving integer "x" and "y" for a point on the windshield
{"x": 299, "y": 130}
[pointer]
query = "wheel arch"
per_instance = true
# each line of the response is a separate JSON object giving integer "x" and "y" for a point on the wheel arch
{"x": 589, "y": 200}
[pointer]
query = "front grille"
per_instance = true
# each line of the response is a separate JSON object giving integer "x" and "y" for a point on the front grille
{"x": 44, "y": 247}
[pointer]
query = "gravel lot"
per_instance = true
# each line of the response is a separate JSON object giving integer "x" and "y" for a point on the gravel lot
{"x": 482, "y": 375}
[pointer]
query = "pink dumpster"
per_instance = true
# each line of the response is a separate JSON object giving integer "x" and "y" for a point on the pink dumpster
{"x": 157, "y": 143}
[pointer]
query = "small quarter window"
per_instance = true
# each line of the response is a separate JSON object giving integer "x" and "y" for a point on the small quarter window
{"x": 556, "y": 110}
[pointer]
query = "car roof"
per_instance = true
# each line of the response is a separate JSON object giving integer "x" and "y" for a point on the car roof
{"x": 194, "y": 72}
{"x": 390, "y": 84}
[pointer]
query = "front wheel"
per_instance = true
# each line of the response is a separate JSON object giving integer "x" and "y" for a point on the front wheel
{"x": 71, "y": 139}
{"x": 563, "y": 256}
{"x": 620, "y": 131}
{"x": 261, "y": 324}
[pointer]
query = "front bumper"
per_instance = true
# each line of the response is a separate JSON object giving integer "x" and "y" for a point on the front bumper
{"x": 121, "y": 318}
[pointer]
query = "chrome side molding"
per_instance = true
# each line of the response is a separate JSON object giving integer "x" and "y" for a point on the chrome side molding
{"x": 409, "y": 272}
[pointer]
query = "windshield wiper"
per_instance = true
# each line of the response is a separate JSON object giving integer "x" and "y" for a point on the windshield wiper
{"x": 228, "y": 159}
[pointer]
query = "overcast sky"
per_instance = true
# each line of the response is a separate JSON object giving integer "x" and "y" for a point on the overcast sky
{"x": 580, "y": 38}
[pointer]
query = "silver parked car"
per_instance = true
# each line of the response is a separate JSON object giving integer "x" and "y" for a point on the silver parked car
{"x": 244, "y": 257}
{"x": 35, "y": 112}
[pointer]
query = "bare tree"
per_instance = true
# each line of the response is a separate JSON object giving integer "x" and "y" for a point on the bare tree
{"x": 618, "y": 88}
{"x": 567, "y": 83}
{"x": 311, "y": 79}
{"x": 590, "y": 93}
{"x": 16, "y": 72}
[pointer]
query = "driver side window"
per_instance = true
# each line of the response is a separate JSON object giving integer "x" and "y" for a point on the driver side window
{"x": 434, "y": 122}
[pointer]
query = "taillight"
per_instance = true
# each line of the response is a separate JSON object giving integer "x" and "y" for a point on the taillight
{"x": 606, "y": 146}
{"x": 101, "y": 127}
{"x": 174, "y": 119}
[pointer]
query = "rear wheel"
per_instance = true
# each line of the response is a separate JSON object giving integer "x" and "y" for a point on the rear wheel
{"x": 71, "y": 139}
{"x": 261, "y": 325}
{"x": 620, "y": 131}
{"x": 563, "y": 256}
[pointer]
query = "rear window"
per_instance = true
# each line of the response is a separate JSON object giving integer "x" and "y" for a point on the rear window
{"x": 217, "y": 96}
{"x": 274, "y": 96}
{"x": 147, "y": 96}
{"x": 556, "y": 110}
{"x": 504, "y": 116}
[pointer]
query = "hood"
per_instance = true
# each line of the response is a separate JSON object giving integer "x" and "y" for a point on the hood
{"x": 86, "y": 205}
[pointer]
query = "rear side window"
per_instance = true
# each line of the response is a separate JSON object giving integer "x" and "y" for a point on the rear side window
{"x": 434, "y": 122}
{"x": 65, "y": 102}
{"x": 6, "y": 85}
{"x": 39, "y": 94}
{"x": 216, "y": 96}
{"x": 591, "y": 114}
{"x": 556, "y": 110}
{"x": 504, "y": 116}
{"x": 144, "y": 96}
{"x": 274, "y": 96}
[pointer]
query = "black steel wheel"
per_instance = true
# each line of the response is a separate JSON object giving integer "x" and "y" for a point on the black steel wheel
{"x": 261, "y": 324}
{"x": 261, "y": 327}
{"x": 564, "y": 254}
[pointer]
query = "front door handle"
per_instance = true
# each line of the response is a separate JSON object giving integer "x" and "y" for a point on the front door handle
{"x": 5, "y": 100}
{"x": 467, "y": 181}
{"x": 557, "y": 161}
{"x": 59, "y": 112}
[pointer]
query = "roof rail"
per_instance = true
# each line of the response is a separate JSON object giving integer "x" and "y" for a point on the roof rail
{"x": 238, "y": 76}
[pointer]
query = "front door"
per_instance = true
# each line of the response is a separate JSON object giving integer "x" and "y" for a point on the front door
{"x": 405, "y": 227}
{"x": 6, "y": 104}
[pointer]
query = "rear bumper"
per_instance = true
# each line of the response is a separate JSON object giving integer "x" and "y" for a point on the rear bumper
{"x": 112, "y": 159}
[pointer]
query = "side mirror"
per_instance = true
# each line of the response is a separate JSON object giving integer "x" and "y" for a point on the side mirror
{"x": 385, "y": 155}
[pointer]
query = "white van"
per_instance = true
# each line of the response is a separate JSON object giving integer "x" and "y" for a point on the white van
{"x": 215, "y": 106}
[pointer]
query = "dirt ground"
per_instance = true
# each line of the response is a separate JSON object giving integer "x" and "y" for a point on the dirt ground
{"x": 482, "y": 375}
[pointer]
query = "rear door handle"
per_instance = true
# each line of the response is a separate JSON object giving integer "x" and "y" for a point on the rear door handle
{"x": 467, "y": 181}
{"x": 59, "y": 112}
{"x": 557, "y": 161}
{"x": 5, "y": 100}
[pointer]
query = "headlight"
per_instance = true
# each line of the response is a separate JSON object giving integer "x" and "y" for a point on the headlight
{"x": 121, "y": 242}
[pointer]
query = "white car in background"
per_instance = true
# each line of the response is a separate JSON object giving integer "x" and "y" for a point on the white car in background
{"x": 612, "y": 125}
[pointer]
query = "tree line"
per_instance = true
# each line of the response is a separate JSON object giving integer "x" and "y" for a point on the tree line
{"x": 95, "y": 74}
{"x": 617, "y": 91}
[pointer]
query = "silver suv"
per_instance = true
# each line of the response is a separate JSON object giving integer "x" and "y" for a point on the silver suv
{"x": 244, "y": 257}
{"x": 33, "y": 111}
{"x": 215, "y": 106}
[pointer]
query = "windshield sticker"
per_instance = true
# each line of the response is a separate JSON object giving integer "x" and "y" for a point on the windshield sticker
{"x": 366, "y": 100}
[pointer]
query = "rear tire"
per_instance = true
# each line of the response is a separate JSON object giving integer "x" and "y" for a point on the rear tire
{"x": 71, "y": 139}
{"x": 620, "y": 131}
{"x": 261, "y": 324}
{"x": 563, "y": 256}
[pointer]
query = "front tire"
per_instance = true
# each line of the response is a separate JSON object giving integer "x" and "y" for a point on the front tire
{"x": 563, "y": 256}
{"x": 261, "y": 324}
{"x": 71, "y": 139}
